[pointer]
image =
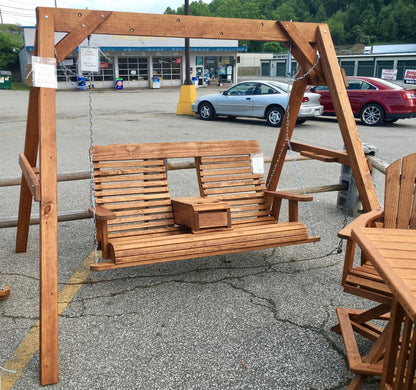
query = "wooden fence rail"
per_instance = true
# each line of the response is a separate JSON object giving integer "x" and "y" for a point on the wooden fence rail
{"x": 75, "y": 215}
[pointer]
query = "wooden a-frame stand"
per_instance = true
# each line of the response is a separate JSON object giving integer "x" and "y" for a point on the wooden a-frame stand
{"x": 305, "y": 39}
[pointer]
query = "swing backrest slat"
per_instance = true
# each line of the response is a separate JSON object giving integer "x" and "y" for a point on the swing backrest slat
{"x": 231, "y": 179}
{"x": 131, "y": 181}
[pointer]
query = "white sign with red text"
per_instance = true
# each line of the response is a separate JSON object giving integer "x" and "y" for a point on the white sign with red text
{"x": 389, "y": 74}
{"x": 410, "y": 76}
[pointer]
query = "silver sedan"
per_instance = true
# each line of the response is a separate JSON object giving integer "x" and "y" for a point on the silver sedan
{"x": 256, "y": 99}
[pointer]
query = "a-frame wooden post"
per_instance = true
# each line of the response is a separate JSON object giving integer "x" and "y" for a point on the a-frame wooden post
{"x": 305, "y": 39}
{"x": 48, "y": 212}
{"x": 346, "y": 121}
{"x": 31, "y": 153}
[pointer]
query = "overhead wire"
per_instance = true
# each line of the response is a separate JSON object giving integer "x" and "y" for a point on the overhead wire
{"x": 24, "y": 9}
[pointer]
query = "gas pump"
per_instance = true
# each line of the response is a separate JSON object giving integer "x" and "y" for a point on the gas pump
{"x": 200, "y": 74}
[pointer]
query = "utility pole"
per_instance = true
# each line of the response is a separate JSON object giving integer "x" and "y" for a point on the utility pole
{"x": 187, "y": 60}
{"x": 188, "y": 89}
{"x": 1, "y": 16}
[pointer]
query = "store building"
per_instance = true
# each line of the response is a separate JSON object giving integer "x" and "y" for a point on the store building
{"x": 137, "y": 59}
{"x": 374, "y": 62}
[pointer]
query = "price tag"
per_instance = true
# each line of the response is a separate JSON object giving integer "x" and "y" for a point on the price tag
{"x": 257, "y": 163}
{"x": 44, "y": 72}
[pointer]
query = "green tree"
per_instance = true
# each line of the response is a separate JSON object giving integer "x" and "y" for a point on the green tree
{"x": 369, "y": 21}
{"x": 336, "y": 27}
{"x": 386, "y": 29}
{"x": 170, "y": 11}
{"x": 244, "y": 9}
{"x": 273, "y": 47}
{"x": 10, "y": 44}
{"x": 321, "y": 15}
{"x": 404, "y": 15}
{"x": 285, "y": 12}
{"x": 350, "y": 21}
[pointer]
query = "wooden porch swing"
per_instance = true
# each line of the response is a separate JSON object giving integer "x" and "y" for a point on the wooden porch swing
{"x": 138, "y": 223}
{"x": 305, "y": 39}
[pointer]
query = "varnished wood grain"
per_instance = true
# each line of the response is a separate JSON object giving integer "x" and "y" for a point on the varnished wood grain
{"x": 49, "y": 372}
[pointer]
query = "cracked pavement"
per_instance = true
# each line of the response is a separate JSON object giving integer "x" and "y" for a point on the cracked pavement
{"x": 253, "y": 320}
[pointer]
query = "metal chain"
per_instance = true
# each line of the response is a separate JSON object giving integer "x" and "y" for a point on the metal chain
{"x": 92, "y": 188}
{"x": 287, "y": 140}
{"x": 318, "y": 57}
{"x": 297, "y": 170}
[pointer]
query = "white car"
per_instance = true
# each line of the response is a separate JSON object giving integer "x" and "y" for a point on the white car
{"x": 256, "y": 99}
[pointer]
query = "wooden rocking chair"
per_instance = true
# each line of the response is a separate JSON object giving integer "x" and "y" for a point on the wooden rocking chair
{"x": 363, "y": 280}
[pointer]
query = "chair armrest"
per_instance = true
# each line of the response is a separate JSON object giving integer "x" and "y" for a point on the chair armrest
{"x": 102, "y": 213}
{"x": 289, "y": 196}
{"x": 361, "y": 221}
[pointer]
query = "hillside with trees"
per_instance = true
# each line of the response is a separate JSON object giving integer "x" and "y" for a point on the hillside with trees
{"x": 11, "y": 41}
{"x": 350, "y": 21}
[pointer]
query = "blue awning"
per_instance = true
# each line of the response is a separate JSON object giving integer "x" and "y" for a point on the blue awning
{"x": 239, "y": 49}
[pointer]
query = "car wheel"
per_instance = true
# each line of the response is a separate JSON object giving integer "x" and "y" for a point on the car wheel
{"x": 372, "y": 114}
{"x": 206, "y": 111}
{"x": 274, "y": 116}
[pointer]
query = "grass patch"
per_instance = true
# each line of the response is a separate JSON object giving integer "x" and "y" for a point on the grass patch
{"x": 19, "y": 87}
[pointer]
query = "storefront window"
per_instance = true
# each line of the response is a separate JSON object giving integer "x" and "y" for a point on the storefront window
{"x": 225, "y": 68}
{"x": 106, "y": 70}
{"x": 211, "y": 67}
{"x": 168, "y": 68}
{"x": 219, "y": 68}
{"x": 67, "y": 70}
{"x": 133, "y": 68}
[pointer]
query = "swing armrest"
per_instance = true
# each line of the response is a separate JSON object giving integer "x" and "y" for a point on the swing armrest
{"x": 361, "y": 221}
{"x": 293, "y": 200}
{"x": 102, "y": 213}
{"x": 289, "y": 196}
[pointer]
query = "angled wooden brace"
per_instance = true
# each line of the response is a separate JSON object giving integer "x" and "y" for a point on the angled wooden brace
{"x": 304, "y": 53}
{"x": 306, "y": 57}
{"x": 31, "y": 154}
{"x": 85, "y": 27}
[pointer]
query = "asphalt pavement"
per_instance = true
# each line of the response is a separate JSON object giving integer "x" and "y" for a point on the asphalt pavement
{"x": 254, "y": 320}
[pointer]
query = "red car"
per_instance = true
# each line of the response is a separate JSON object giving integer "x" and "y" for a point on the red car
{"x": 373, "y": 100}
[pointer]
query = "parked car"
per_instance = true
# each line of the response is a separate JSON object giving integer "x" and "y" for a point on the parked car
{"x": 256, "y": 99}
{"x": 373, "y": 100}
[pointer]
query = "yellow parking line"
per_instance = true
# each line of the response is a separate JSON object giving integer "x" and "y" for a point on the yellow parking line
{"x": 11, "y": 135}
{"x": 30, "y": 344}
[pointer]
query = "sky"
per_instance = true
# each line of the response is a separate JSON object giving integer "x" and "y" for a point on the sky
{"x": 23, "y": 11}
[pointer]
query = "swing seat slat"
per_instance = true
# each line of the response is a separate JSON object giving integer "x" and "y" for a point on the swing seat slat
{"x": 135, "y": 217}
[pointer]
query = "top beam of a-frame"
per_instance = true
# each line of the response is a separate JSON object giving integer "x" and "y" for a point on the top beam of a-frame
{"x": 181, "y": 26}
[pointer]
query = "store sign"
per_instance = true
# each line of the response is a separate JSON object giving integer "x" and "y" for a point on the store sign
{"x": 88, "y": 59}
{"x": 389, "y": 74}
{"x": 410, "y": 76}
